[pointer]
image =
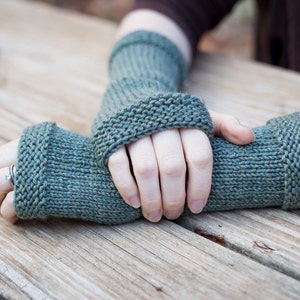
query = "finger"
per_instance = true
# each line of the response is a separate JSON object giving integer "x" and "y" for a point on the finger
{"x": 146, "y": 174}
{"x": 8, "y": 209}
{"x": 230, "y": 129}
{"x": 8, "y": 153}
{"x": 172, "y": 171}
{"x": 5, "y": 184}
{"x": 199, "y": 158}
{"x": 119, "y": 168}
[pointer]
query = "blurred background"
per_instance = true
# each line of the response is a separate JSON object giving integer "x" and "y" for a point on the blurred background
{"x": 233, "y": 37}
{"x": 112, "y": 10}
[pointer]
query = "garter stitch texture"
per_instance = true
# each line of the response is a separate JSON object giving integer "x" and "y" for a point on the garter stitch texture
{"x": 58, "y": 174}
{"x": 146, "y": 72}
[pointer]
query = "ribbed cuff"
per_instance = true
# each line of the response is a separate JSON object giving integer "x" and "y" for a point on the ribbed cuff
{"x": 146, "y": 53}
{"x": 287, "y": 132}
{"x": 31, "y": 175}
{"x": 154, "y": 114}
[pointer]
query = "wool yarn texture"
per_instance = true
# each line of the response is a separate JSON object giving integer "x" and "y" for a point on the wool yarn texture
{"x": 146, "y": 74}
{"x": 64, "y": 174}
{"x": 58, "y": 174}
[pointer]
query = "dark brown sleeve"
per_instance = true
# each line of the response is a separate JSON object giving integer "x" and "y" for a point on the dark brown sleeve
{"x": 278, "y": 33}
{"x": 193, "y": 16}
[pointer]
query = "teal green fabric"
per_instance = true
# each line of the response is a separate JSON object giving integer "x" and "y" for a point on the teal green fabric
{"x": 146, "y": 74}
{"x": 58, "y": 174}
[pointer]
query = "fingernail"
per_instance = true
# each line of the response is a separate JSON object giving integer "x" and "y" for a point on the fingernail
{"x": 154, "y": 216}
{"x": 171, "y": 215}
{"x": 135, "y": 202}
{"x": 196, "y": 206}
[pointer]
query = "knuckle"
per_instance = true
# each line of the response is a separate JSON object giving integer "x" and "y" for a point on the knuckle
{"x": 173, "y": 166}
{"x": 176, "y": 202}
{"x": 200, "y": 159}
{"x": 145, "y": 169}
{"x": 115, "y": 161}
{"x": 124, "y": 186}
{"x": 227, "y": 123}
{"x": 199, "y": 194}
{"x": 175, "y": 205}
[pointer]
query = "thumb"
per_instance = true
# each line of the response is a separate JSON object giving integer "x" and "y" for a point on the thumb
{"x": 230, "y": 129}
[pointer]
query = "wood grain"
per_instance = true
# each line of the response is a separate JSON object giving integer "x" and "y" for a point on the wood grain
{"x": 270, "y": 236}
{"x": 253, "y": 92}
{"x": 132, "y": 261}
{"x": 53, "y": 67}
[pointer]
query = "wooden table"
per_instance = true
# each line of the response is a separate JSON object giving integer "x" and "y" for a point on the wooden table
{"x": 53, "y": 67}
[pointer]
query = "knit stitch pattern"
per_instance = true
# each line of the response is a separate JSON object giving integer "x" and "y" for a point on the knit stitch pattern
{"x": 151, "y": 115}
{"x": 146, "y": 73}
{"x": 58, "y": 174}
{"x": 287, "y": 134}
{"x": 58, "y": 177}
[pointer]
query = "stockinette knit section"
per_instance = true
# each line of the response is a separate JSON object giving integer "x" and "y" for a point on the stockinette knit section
{"x": 146, "y": 73}
{"x": 58, "y": 174}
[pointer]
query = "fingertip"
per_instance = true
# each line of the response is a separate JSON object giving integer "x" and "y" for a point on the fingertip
{"x": 154, "y": 216}
{"x": 12, "y": 220}
{"x": 196, "y": 206}
{"x": 229, "y": 128}
{"x": 242, "y": 136}
{"x": 8, "y": 209}
{"x": 134, "y": 201}
{"x": 237, "y": 133}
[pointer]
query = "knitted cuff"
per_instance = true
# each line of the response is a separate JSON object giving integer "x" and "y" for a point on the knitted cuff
{"x": 57, "y": 176}
{"x": 287, "y": 133}
{"x": 151, "y": 115}
{"x": 147, "y": 55}
{"x": 31, "y": 176}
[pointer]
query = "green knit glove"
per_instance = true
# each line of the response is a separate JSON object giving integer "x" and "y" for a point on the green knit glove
{"x": 146, "y": 72}
{"x": 58, "y": 176}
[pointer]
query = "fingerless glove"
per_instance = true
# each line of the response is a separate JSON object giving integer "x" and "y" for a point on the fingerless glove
{"x": 58, "y": 174}
{"x": 146, "y": 73}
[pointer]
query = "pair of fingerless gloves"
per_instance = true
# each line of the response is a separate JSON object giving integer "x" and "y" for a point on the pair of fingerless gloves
{"x": 64, "y": 174}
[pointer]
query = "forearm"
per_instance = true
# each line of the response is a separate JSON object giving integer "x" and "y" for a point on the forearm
{"x": 151, "y": 20}
{"x": 194, "y": 17}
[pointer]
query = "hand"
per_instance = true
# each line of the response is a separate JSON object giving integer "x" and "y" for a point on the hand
{"x": 160, "y": 163}
{"x": 8, "y": 156}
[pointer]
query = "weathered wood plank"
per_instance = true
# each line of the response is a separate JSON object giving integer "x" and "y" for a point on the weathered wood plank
{"x": 270, "y": 236}
{"x": 252, "y": 92}
{"x": 52, "y": 66}
{"x": 53, "y": 62}
{"x": 139, "y": 260}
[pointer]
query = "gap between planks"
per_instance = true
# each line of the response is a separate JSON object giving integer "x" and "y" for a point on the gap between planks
{"x": 136, "y": 260}
{"x": 268, "y": 236}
